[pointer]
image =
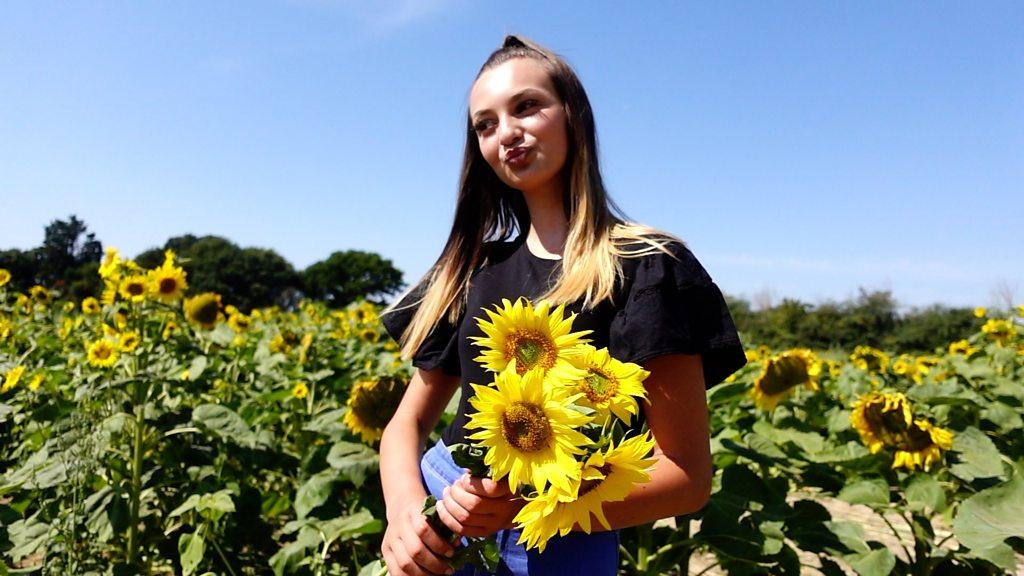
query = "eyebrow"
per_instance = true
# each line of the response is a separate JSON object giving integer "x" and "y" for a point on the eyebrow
{"x": 516, "y": 96}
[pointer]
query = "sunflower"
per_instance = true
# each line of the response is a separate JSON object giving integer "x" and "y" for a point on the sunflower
{"x": 300, "y": 390}
{"x": 39, "y": 294}
{"x": 910, "y": 367}
{"x": 102, "y": 353}
{"x": 5, "y": 329}
{"x": 780, "y": 375}
{"x": 90, "y": 306}
{"x": 606, "y": 477}
{"x": 167, "y": 283}
{"x": 110, "y": 267}
{"x": 307, "y": 341}
{"x": 129, "y": 341}
{"x": 533, "y": 337}
{"x": 239, "y": 322}
{"x": 608, "y": 386}
{"x": 980, "y": 312}
{"x": 371, "y": 405}
{"x": 870, "y": 359}
{"x": 169, "y": 329}
{"x": 999, "y": 330}
{"x": 133, "y": 288}
{"x": 5, "y": 276}
{"x": 881, "y": 418}
{"x": 921, "y": 446}
{"x": 528, "y": 429}
{"x": 962, "y": 347}
{"x": 204, "y": 309}
{"x": 36, "y": 381}
{"x": 12, "y": 377}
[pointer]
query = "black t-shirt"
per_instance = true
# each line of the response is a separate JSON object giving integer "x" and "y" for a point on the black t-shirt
{"x": 664, "y": 306}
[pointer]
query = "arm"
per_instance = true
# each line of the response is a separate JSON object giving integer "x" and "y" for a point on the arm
{"x": 410, "y": 546}
{"x": 678, "y": 418}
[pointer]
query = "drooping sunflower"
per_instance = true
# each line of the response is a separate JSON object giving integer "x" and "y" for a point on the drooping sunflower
{"x": 133, "y": 287}
{"x": 999, "y": 329}
{"x": 606, "y": 477}
{"x": 870, "y": 359}
{"x": 90, "y": 306}
{"x": 102, "y": 353}
{"x": 5, "y": 276}
{"x": 239, "y": 322}
{"x": 881, "y": 418}
{"x": 781, "y": 374}
{"x": 921, "y": 446}
{"x": 12, "y": 377}
{"x": 204, "y": 309}
{"x": 167, "y": 283}
{"x": 528, "y": 429}
{"x": 371, "y": 404}
{"x": 609, "y": 386}
{"x": 535, "y": 337}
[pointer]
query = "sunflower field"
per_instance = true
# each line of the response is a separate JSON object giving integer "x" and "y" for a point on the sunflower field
{"x": 154, "y": 431}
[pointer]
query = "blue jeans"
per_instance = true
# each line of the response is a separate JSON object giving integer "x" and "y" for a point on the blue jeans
{"x": 576, "y": 553}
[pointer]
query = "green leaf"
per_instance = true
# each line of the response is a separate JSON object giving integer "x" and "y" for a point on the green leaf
{"x": 292, "y": 553}
{"x": 724, "y": 393}
{"x": 925, "y": 494}
{"x": 774, "y": 538}
{"x": 878, "y": 562}
{"x": 1006, "y": 418}
{"x": 191, "y": 549}
{"x": 214, "y": 506}
{"x": 345, "y": 527}
{"x": 195, "y": 369}
{"x": 850, "y": 534}
{"x": 27, "y": 536}
{"x": 989, "y": 517}
{"x": 314, "y": 492}
{"x": 978, "y": 457}
{"x": 838, "y": 420}
{"x": 354, "y": 461}
{"x": 873, "y": 491}
{"x": 328, "y": 423}
{"x": 375, "y": 568}
{"x": 187, "y": 505}
{"x": 806, "y": 441}
{"x": 225, "y": 423}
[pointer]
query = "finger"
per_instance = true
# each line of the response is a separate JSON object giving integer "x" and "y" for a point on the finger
{"x": 431, "y": 538}
{"x": 405, "y": 562}
{"x": 460, "y": 513}
{"x": 472, "y": 503}
{"x": 485, "y": 487}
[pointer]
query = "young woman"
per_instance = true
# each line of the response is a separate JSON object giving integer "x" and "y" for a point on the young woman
{"x": 530, "y": 175}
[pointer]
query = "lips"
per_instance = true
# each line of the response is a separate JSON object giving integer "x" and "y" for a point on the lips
{"x": 516, "y": 153}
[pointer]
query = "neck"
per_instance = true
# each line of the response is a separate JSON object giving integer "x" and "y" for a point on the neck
{"x": 549, "y": 225}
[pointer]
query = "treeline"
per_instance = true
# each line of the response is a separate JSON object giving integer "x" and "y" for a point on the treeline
{"x": 69, "y": 259}
{"x": 872, "y": 318}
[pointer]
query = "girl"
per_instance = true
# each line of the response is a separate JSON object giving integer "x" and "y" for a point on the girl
{"x": 530, "y": 174}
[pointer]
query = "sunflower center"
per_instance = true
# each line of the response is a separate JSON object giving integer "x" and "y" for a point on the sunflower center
{"x": 916, "y": 439}
{"x": 885, "y": 420}
{"x": 102, "y": 352}
{"x": 784, "y": 373}
{"x": 588, "y": 485}
{"x": 136, "y": 288}
{"x": 168, "y": 285}
{"x": 599, "y": 386}
{"x": 530, "y": 349}
{"x": 206, "y": 313}
{"x": 374, "y": 403}
{"x": 526, "y": 427}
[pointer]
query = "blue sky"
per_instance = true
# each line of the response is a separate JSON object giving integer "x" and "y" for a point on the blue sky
{"x": 802, "y": 149}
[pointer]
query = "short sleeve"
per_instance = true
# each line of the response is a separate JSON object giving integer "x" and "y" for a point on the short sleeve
{"x": 673, "y": 307}
{"x": 439, "y": 349}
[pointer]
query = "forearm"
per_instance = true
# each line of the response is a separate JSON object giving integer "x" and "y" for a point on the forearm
{"x": 400, "y": 448}
{"x": 672, "y": 491}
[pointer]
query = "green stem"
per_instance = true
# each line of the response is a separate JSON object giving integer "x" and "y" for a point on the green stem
{"x": 136, "y": 488}
{"x": 223, "y": 558}
{"x": 899, "y": 538}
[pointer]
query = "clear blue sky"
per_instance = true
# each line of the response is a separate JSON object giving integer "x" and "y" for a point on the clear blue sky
{"x": 802, "y": 149}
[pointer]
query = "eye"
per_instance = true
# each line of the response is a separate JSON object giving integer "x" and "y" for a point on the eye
{"x": 482, "y": 126}
{"x": 527, "y": 104}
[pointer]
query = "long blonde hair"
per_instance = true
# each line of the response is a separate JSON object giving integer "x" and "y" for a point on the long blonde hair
{"x": 487, "y": 209}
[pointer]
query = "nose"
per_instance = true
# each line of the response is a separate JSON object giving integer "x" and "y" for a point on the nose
{"x": 509, "y": 132}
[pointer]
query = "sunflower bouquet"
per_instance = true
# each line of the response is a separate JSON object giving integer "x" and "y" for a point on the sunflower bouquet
{"x": 555, "y": 421}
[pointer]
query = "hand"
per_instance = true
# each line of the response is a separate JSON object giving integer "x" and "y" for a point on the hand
{"x": 412, "y": 548}
{"x": 475, "y": 506}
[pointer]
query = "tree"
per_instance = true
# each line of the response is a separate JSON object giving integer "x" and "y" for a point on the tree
{"x": 245, "y": 277}
{"x": 67, "y": 245}
{"x": 346, "y": 276}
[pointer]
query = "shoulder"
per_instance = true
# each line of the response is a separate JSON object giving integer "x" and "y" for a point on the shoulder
{"x": 651, "y": 256}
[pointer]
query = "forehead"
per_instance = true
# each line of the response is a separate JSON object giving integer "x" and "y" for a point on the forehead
{"x": 498, "y": 84}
